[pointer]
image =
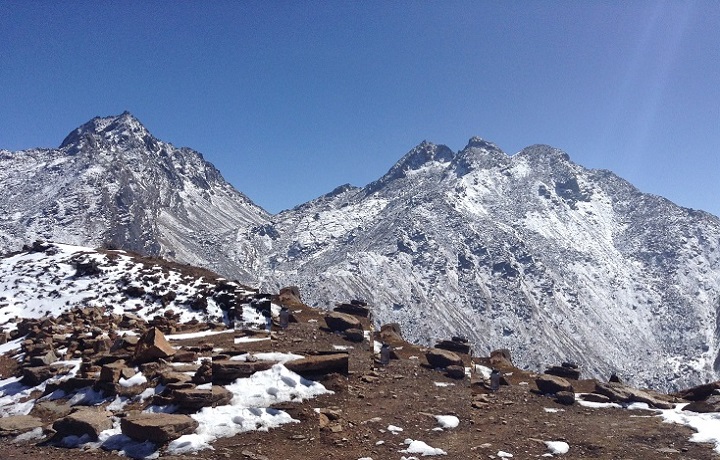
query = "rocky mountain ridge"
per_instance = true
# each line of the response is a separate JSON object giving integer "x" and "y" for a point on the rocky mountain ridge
{"x": 529, "y": 252}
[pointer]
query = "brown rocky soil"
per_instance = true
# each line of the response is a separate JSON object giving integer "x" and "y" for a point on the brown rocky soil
{"x": 354, "y": 420}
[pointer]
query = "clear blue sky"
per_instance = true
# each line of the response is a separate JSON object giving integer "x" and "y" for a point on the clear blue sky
{"x": 290, "y": 99}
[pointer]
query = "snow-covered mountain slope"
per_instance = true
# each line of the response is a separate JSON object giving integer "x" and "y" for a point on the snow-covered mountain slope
{"x": 529, "y": 252}
{"x": 50, "y": 279}
{"x": 111, "y": 183}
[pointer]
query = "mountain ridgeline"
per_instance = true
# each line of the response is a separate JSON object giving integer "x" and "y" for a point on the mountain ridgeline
{"x": 529, "y": 252}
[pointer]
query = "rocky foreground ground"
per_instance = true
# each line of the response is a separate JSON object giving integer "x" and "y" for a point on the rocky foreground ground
{"x": 373, "y": 412}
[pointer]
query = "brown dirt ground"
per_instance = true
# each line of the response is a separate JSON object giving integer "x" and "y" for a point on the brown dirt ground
{"x": 404, "y": 394}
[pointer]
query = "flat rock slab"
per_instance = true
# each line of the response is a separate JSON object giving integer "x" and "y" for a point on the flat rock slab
{"x": 17, "y": 424}
{"x": 552, "y": 384}
{"x": 157, "y": 428}
{"x": 84, "y": 421}
{"x": 227, "y": 371}
{"x": 617, "y": 392}
{"x": 51, "y": 410}
{"x": 320, "y": 364}
{"x": 193, "y": 398}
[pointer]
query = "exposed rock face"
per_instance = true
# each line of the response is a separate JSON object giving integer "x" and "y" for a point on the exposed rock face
{"x": 157, "y": 428}
{"x": 699, "y": 392}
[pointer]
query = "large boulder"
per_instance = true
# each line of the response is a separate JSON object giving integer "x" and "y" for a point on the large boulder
{"x": 440, "y": 358}
{"x": 85, "y": 421}
{"x": 455, "y": 372}
{"x": 290, "y": 295}
{"x": 620, "y": 393}
{"x": 157, "y": 428}
{"x": 151, "y": 346}
{"x": 35, "y": 375}
{"x": 699, "y": 392}
{"x": 342, "y": 321}
{"x": 552, "y": 384}
{"x": 711, "y": 404}
{"x": 566, "y": 398}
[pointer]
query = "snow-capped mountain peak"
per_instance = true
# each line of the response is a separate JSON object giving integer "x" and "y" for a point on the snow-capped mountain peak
{"x": 123, "y": 129}
{"x": 111, "y": 183}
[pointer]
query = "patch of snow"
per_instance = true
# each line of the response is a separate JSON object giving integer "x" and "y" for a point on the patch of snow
{"x": 277, "y": 357}
{"x": 249, "y": 409}
{"x": 394, "y": 429}
{"x": 447, "y": 421}
{"x": 557, "y": 447}
{"x": 706, "y": 425}
{"x": 137, "y": 379}
{"x": 597, "y": 405}
{"x": 250, "y": 339}
{"x": 443, "y": 384}
{"x": 37, "y": 433}
{"x": 13, "y": 345}
{"x": 195, "y": 335}
{"x": 420, "y": 447}
{"x": 484, "y": 371}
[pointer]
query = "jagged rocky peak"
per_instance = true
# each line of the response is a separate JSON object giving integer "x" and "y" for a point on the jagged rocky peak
{"x": 479, "y": 154}
{"x": 476, "y": 142}
{"x": 423, "y": 154}
{"x": 101, "y": 131}
{"x": 543, "y": 152}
